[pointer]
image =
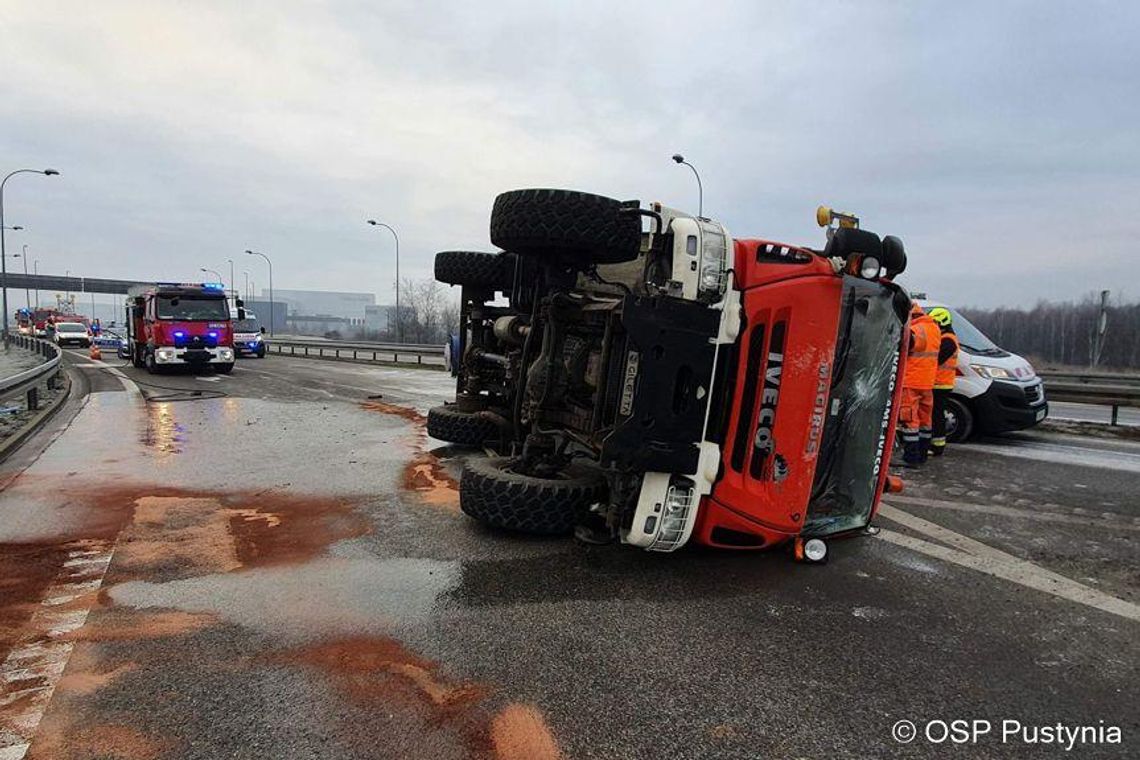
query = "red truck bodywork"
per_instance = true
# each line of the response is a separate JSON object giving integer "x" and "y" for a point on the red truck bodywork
{"x": 791, "y": 316}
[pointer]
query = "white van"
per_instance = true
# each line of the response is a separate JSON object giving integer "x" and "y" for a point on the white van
{"x": 249, "y": 335}
{"x": 995, "y": 391}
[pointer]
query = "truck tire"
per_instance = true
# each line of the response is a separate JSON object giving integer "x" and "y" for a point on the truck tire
{"x": 959, "y": 420}
{"x": 565, "y": 223}
{"x": 151, "y": 365}
{"x": 492, "y": 494}
{"x": 224, "y": 369}
{"x": 474, "y": 268}
{"x": 447, "y": 423}
{"x": 138, "y": 357}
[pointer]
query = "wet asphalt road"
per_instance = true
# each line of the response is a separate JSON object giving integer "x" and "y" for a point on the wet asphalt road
{"x": 288, "y": 575}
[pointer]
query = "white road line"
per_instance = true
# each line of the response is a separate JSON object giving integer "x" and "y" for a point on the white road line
{"x": 1079, "y": 456}
{"x": 210, "y": 379}
{"x": 29, "y": 674}
{"x": 1110, "y": 520}
{"x": 974, "y": 555}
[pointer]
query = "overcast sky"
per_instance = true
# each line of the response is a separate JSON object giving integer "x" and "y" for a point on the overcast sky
{"x": 999, "y": 140}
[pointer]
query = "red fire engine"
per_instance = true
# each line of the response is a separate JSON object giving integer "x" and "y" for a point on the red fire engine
{"x": 180, "y": 324}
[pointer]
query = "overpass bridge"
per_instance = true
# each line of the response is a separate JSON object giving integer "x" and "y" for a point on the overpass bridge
{"x": 68, "y": 284}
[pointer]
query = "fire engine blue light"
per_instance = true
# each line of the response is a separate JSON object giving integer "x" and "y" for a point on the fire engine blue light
{"x": 213, "y": 333}
{"x": 212, "y": 286}
{"x": 179, "y": 334}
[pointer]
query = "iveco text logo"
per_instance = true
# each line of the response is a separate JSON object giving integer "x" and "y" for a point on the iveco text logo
{"x": 769, "y": 398}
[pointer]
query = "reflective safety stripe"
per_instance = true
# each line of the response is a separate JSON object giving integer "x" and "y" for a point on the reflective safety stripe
{"x": 938, "y": 442}
{"x": 918, "y": 354}
{"x": 944, "y": 387}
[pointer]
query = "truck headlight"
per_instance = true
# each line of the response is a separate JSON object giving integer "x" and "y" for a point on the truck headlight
{"x": 165, "y": 354}
{"x": 226, "y": 354}
{"x": 714, "y": 261}
{"x": 991, "y": 372}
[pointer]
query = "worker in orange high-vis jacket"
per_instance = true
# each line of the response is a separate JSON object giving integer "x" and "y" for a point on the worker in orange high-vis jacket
{"x": 944, "y": 376}
{"x": 917, "y": 409}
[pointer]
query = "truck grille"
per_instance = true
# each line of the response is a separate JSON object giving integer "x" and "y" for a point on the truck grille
{"x": 752, "y": 374}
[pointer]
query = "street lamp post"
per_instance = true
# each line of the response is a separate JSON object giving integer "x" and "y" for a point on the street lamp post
{"x": 700, "y": 190}
{"x": 245, "y": 287}
{"x": 36, "y": 271}
{"x": 233, "y": 285}
{"x": 399, "y": 320}
{"x": 67, "y": 292}
{"x": 270, "y": 263}
{"x": 3, "y": 230}
{"x": 27, "y": 291}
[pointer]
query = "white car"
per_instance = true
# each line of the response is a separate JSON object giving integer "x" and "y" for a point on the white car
{"x": 996, "y": 391}
{"x": 72, "y": 334}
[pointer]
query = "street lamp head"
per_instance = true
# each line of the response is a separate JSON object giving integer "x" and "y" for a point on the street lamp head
{"x": 50, "y": 172}
{"x": 249, "y": 251}
{"x": 678, "y": 158}
{"x": 373, "y": 222}
{"x": 17, "y": 227}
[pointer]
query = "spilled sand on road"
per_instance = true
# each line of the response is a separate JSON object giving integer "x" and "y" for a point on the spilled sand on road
{"x": 424, "y": 475}
{"x": 380, "y": 673}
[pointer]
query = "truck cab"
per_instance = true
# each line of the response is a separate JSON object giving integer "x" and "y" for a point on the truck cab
{"x": 672, "y": 384}
{"x": 180, "y": 324}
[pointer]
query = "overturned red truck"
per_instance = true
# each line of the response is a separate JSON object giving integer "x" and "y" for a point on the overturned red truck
{"x": 674, "y": 384}
{"x": 180, "y": 324}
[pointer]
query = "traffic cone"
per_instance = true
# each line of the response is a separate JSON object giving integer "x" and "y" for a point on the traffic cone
{"x": 95, "y": 353}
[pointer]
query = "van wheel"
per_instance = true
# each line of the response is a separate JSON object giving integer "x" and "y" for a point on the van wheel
{"x": 138, "y": 357}
{"x": 493, "y": 494}
{"x": 959, "y": 420}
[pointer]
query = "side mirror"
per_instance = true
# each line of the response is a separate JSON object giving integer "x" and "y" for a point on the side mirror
{"x": 263, "y": 331}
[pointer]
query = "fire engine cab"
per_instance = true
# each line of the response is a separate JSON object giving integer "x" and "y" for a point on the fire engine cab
{"x": 180, "y": 324}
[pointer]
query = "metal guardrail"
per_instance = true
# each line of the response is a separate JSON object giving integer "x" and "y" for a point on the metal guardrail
{"x": 1101, "y": 389}
{"x": 1091, "y": 378}
{"x": 427, "y": 356}
{"x": 28, "y": 381}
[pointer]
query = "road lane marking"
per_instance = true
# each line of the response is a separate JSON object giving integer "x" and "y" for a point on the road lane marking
{"x": 966, "y": 552}
{"x": 1114, "y": 520}
{"x": 1056, "y": 453}
{"x": 41, "y": 655}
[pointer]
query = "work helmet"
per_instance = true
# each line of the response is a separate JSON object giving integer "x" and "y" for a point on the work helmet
{"x": 941, "y": 315}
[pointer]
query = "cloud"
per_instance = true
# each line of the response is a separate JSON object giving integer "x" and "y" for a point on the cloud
{"x": 998, "y": 141}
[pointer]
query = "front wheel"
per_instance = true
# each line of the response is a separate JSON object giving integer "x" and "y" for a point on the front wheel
{"x": 151, "y": 364}
{"x": 224, "y": 369}
{"x": 491, "y": 492}
{"x": 959, "y": 420}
